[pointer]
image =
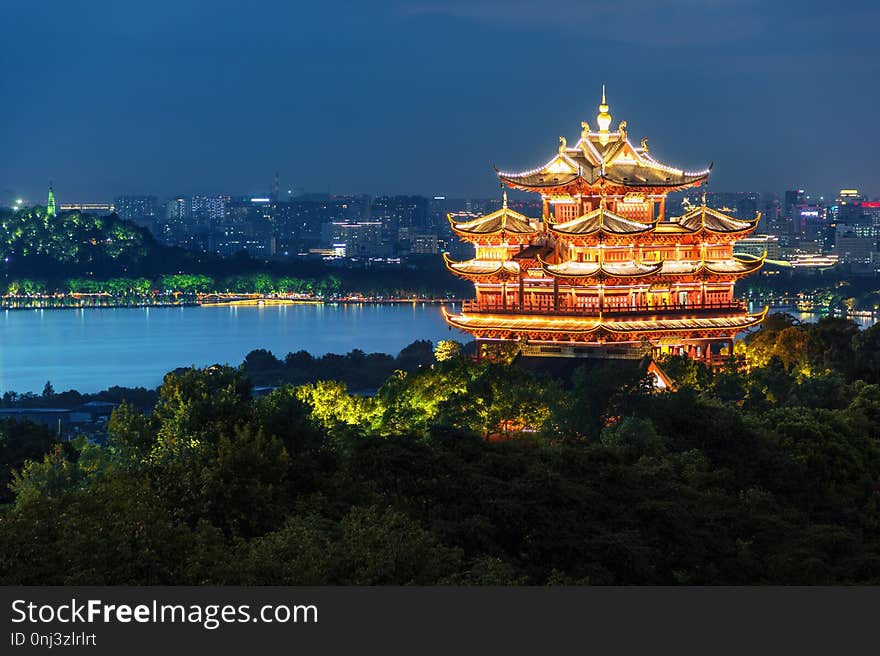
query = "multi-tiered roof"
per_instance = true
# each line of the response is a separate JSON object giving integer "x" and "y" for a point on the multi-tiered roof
{"x": 604, "y": 263}
{"x": 603, "y": 158}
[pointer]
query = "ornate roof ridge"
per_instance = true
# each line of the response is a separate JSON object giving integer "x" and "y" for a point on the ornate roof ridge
{"x": 602, "y": 213}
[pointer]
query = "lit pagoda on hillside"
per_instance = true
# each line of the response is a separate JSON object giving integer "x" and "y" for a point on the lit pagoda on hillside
{"x": 604, "y": 271}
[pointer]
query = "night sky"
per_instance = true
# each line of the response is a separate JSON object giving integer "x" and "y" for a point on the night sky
{"x": 168, "y": 97}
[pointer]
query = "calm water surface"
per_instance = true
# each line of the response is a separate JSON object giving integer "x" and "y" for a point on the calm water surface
{"x": 90, "y": 350}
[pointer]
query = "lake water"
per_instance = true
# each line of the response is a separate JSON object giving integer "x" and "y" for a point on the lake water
{"x": 90, "y": 350}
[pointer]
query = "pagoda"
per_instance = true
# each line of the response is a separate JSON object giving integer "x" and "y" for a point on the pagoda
{"x": 604, "y": 271}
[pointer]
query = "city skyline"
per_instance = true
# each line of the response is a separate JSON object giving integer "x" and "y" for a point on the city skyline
{"x": 209, "y": 103}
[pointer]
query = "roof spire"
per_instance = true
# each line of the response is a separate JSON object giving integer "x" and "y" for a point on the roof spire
{"x": 504, "y": 202}
{"x": 603, "y": 119}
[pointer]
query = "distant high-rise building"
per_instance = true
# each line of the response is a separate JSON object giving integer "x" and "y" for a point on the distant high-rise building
{"x": 847, "y": 207}
{"x": 771, "y": 215}
{"x": 810, "y": 223}
{"x": 173, "y": 229}
{"x": 424, "y": 244}
{"x": 356, "y": 238}
{"x": 758, "y": 245}
{"x": 208, "y": 210}
{"x": 299, "y": 222}
{"x": 137, "y": 208}
{"x": 871, "y": 213}
{"x": 248, "y": 225}
{"x": 794, "y": 198}
{"x": 207, "y": 213}
{"x": 396, "y": 212}
{"x": 177, "y": 209}
{"x": 856, "y": 243}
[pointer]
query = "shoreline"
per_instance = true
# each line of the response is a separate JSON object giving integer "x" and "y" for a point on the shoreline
{"x": 231, "y": 302}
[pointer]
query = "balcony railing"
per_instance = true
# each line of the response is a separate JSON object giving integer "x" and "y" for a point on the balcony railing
{"x": 593, "y": 310}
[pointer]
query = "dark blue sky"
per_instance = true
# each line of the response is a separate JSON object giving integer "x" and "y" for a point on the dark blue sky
{"x": 169, "y": 97}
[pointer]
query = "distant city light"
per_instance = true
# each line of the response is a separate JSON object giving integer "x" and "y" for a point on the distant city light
{"x": 260, "y": 200}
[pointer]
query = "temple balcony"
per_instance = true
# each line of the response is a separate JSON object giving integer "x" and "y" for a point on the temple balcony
{"x": 658, "y": 311}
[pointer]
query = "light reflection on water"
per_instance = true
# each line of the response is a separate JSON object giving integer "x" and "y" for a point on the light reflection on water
{"x": 810, "y": 317}
{"x": 93, "y": 349}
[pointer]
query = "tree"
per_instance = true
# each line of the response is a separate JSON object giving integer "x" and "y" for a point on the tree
{"x": 866, "y": 354}
{"x": 20, "y": 441}
{"x": 417, "y": 354}
{"x": 447, "y": 349}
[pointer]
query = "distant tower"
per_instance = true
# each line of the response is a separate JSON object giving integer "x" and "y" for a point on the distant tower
{"x": 50, "y": 205}
{"x": 275, "y": 188}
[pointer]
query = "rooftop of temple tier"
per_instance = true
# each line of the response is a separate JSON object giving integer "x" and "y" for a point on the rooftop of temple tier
{"x": 604, "y": 271}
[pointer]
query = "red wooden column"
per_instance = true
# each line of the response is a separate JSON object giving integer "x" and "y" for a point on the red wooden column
{"x": 521, "y": 288}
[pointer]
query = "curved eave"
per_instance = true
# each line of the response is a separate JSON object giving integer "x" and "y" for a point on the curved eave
{"x": 600, "y": 269}
{"x": 740, "y": 231}
{"x": 699, "y": 268}
{"x": 703, "y": 228}
{"x": 546, "y": 268}
{"x": 638, "y": 274}
{"x": 521, "y": 183}
{"x": 636, "y": 326}
{"x": 521, "y": 323}
{"x": 529, "y": 323}
{"x": 749, "y": 266}
{"x": 683, "y": 183}
{"x": 501, "y": 270}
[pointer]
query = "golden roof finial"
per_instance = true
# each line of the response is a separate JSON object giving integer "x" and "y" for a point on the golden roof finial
{"x": 504, "y": 201}
{"x": 563, "y": 144}
{"x": 704, "y": 199}
{"x": 603, "y": 119}
{"x": 585, "y": 130}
